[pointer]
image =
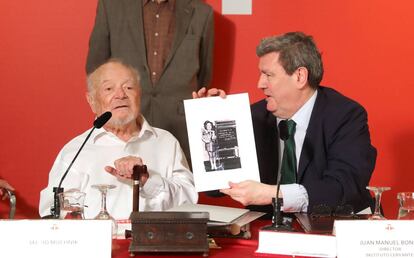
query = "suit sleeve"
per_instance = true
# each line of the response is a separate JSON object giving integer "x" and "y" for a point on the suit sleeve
{"x": 350, "y": 160}
{"x": 99, "y": 41}
{"x": 206, "y": 52}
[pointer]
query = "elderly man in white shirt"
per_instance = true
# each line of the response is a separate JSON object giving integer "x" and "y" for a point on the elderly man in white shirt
{"x": 111, "y": 153}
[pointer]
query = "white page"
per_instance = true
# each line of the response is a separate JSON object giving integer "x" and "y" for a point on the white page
{"x": 233, "y": 156}
{"x": 217, "y": 213}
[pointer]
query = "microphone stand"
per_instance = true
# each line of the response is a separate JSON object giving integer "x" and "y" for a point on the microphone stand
{"x": 98, "y": 123}
{"x": 55, "y": 210}
{"x": 278, "y": 221}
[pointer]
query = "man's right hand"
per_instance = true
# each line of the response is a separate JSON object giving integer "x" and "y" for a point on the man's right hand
{"x": 123, "y": 168}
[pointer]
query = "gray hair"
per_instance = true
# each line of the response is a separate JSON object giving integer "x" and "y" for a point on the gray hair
{"x": 91, "y": 77}
{"x": 295, "y": 50}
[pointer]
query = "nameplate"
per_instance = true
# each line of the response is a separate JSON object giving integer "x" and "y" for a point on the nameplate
{"x": 296, "y": 244}
{"x": 56, "y": 238}
{"x": 374, "y": 238}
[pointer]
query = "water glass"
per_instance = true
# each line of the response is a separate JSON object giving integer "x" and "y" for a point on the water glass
{"x": 71, "y": 204}
{"x": 377, "y": 190}
{"x": 406, "y": 201}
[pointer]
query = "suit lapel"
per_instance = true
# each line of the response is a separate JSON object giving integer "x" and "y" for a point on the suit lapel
{"x": 183, "y": 14}
{"x": 136, "y": 22}
{"x": 272, "y": 148}
{"x": 308, "y": 148}
{"x": 305, "y": 157}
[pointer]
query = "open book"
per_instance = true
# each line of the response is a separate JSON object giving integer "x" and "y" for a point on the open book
{"x": 224, "y": 221}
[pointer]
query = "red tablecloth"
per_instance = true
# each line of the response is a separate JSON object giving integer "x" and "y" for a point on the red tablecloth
{"x": 230, "y": 247}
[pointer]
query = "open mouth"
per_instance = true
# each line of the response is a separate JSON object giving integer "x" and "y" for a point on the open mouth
{"x": 119, "y": 107}
{"x": 267, "y": 95}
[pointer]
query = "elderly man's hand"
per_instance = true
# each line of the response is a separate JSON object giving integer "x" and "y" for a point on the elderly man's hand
{"x": 251, "y": 192}
{"x": 124, "y": 168}
{"x": 5, "y": 185}
{"x": 203, "y": 92}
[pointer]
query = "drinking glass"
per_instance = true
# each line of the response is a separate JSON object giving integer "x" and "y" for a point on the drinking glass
{"x": 377, "y": 192}
{"x": 104, "y": 214}
{"x": 71, "y": 204}
{"x": 406, "y": 201}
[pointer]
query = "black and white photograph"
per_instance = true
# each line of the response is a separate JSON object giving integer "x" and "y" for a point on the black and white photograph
{"x": 221, "y": 140}
{"x": 220, "y": 145}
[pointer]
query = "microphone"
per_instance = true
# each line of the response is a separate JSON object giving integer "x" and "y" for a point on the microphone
{"x": 102, "y": 119}
{"x": 277, "y": 202}
{"x": 98, "y": 123}
{"x": 283, "y": 130}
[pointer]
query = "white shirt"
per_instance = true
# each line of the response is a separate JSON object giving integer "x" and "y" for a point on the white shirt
{"x": 170, "y": 182}
{"x": 295, "y": 196}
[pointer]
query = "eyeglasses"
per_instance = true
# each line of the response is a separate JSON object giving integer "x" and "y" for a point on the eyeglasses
{"x": 341, "y": 211}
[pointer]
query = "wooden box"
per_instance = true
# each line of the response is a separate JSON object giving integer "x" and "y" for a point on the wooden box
{"x": 169, "y": 232}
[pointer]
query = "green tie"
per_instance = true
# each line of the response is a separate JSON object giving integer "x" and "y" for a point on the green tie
{"x": 288, "y": 168}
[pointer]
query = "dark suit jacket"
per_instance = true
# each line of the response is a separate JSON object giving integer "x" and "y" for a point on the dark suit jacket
{"x": 337, "y": 157}
{"x": 119, "y": 33}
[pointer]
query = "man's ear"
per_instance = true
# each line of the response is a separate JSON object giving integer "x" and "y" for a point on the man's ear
{"x": 302, "y": 76}
{"x": 91, "y": 101}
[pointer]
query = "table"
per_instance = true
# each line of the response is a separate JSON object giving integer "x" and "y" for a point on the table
{"x": 230, "y": 247}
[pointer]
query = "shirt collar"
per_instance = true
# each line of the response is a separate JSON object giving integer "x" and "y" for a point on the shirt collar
{"x": 171, "y": 3}
{"x": 146, "y": 128}
{"x": 302, "y": 116}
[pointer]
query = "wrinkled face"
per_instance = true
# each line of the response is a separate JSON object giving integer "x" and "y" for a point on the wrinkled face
{"x": 116, "y": 90}
{"x": 279, "y": 87}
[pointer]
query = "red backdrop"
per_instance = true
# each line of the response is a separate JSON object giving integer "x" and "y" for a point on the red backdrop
{"x": 367, "y": 51}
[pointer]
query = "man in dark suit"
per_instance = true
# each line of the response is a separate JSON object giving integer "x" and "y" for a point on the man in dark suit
{"x": 334, "y": 158}
{"x": 170, "y": 43}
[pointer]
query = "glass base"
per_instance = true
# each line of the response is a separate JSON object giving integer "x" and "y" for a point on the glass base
{"x": 285, "y": 228}
{"x": 376, "y": 217}
{"x": 103, "y": 215}
{"x": 406, "y": 214}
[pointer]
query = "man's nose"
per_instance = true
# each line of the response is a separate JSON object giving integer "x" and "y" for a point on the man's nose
{"x": 120, "y": 93}
{"x": 261, "y": 84}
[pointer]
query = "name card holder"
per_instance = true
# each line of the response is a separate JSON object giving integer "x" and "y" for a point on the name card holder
{"x": 56, "y": 238}
{"x": 374, "y": 238}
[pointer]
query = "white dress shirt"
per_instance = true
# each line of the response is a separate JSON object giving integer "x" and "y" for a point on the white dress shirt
{"x": 170, "y": 182}
{"x": 295, "y": 196}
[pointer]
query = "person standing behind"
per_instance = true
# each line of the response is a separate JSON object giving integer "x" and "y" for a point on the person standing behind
{"x": 170, "y": 43}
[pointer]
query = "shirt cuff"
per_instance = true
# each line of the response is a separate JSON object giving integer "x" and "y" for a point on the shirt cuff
{"x": 295, "y": 198}
{"x": 152, "y": 187}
